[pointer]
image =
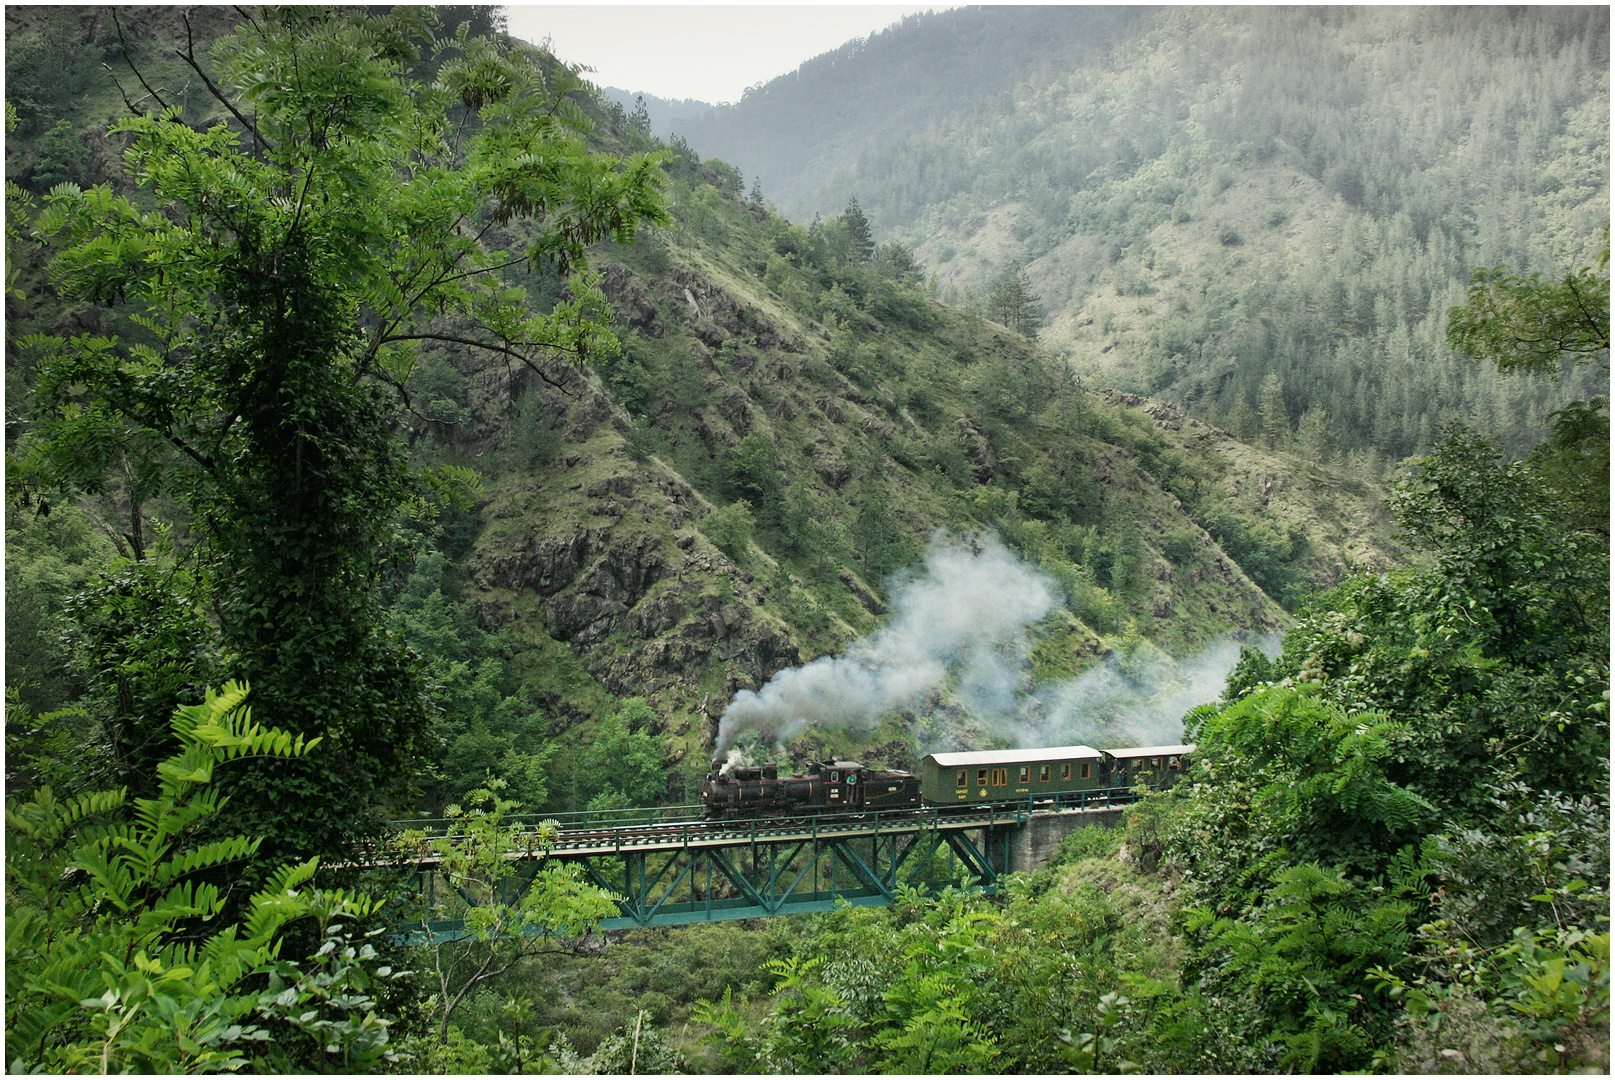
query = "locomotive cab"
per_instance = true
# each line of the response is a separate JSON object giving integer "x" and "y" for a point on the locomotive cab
{"x": 841, "y": 780}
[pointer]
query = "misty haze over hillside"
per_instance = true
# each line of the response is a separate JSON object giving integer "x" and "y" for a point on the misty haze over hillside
{"x": 1233, "y": 209}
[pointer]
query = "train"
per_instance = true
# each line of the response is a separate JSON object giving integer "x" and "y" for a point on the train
{"x": 989, "y": 777}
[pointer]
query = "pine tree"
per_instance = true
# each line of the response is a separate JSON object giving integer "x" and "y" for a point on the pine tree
{"x": 1274, "y": 417}
{"x": 1241, "y": 421}
{"x": 863, "y": 245}
{"x": 639, "y": 119}
{"x": 1014, "y": 304}
{"x": 1314, "y": 436}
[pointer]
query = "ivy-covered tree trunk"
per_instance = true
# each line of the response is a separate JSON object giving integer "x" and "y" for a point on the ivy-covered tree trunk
{"x": 266, "y": 317}
{"x": 300, "y": 518}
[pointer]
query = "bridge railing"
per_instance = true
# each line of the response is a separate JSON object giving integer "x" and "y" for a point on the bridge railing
{"x": 693, "y": 814}
{"x": 567, "y": 820}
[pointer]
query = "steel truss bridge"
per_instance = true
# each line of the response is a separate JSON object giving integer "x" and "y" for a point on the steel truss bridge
{"x": 668, "y": 867}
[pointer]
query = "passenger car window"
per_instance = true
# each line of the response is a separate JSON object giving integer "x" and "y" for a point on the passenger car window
{"x": 1026, "y": 774}
{"x": 964, "y": 778}
{"x": 1043, "y": 774}
{"x": 1000, "y": 777}
{"x": 981, "y": 777}
{"x": 1085, "y": 770}
{"x": 1065, "y": 771}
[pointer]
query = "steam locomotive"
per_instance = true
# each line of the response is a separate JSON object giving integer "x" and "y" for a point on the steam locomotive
{"x": 988, "y": 777}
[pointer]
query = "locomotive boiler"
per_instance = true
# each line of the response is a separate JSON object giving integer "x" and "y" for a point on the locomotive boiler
{"x": 829, "y": 786}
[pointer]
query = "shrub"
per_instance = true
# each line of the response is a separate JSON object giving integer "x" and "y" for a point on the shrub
{"x": 731, "y": 529}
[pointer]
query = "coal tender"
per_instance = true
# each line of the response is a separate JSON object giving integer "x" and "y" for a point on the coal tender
{"x": 829, "y": 786}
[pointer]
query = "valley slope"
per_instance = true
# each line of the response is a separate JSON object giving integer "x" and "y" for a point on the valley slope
{"x": 1225, "y": 207}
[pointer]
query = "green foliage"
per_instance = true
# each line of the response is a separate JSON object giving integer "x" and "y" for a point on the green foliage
{"x": 1496, "y": 656}
{"x": 1520, "y": 581}
{"x": 1050, "y": 138}
{"x": 63, "y": 158}
{"x": 1311, "y": 777}
{"x": 144, "y": 646}
{"x": 333, "y": 240}
{"x": 1574, "y": 463}
{"x": 881, "y": 546}
{"x": 861, "y": 247}
{"x": 754, "y": 478}
{"x": 553, "y": 911}
{"x": 1273, "y": 415}
{"x": 49, "y": 557}
{"x": 635, "y": 1049}
{"x": 731, "y": 528}
{"x": 1540, "y": 1003}
{"x": 486, "y": 730}
{"x": 110, "y": 965}
{"x": 623, "y": 761}
{"x": 47, "y": 69}
{"x": 1311, "y": 836}
{"x": 1251, "y": 671}
{"x": 1304, "y": 955}
{"x": 1531, "y": 325}
{"x": 663, "y": 972}
{"x": 1542, "y": 860}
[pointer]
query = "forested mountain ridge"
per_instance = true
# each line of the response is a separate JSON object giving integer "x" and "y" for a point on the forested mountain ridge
{"x": 790, "y": 420}
{"x": 1218, "y": 197}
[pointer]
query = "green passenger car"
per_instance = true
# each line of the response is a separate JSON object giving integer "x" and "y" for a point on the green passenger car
{"x": 1158, "y": 766}
{"x": 1000, "y": 775}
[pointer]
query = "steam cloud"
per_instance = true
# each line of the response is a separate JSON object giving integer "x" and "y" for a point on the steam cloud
{"x": 961, "y": 625}
{"x": 961, "y": 615}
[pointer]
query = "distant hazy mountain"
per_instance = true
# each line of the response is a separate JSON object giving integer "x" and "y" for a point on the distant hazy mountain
{"x": 666, "y": 115}
{"x": 1239, "y": 209}
{"x": 801, "y": 129}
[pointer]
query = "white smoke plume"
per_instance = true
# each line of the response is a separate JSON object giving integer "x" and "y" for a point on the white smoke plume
{"x": 1131, "y": 700}
{"x": 735, "y": 758}
{"x": 961, "y": 624}
{"x": 961, "y": 616}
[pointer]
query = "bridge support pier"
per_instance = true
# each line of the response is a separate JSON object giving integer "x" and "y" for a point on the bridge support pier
{"x": 1031, "y": 845}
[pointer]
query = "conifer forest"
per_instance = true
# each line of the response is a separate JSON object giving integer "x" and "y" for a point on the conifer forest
{"x": 431, "y": 477}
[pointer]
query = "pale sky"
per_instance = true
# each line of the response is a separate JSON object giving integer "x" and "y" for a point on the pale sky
{"x": 710, "y": 52}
